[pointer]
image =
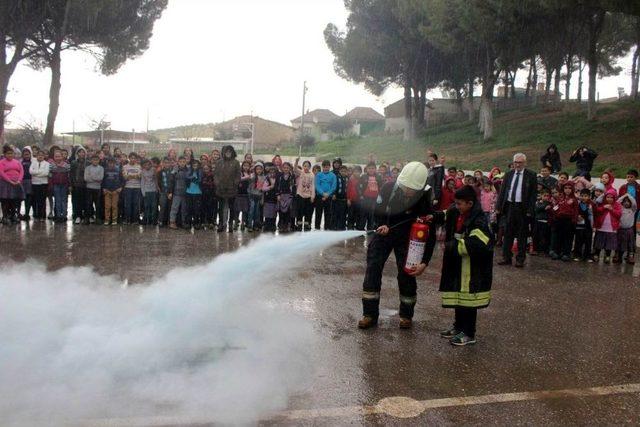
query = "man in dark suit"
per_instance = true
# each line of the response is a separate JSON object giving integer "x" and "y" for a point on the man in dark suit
{"x": 516, "y": 202}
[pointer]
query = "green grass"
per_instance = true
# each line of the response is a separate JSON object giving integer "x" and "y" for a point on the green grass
{"x": 615, "y": 136}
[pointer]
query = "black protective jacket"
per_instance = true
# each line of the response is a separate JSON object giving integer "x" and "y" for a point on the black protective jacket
{"x": 467, "y": 265}
{"x": 399, "y": 213}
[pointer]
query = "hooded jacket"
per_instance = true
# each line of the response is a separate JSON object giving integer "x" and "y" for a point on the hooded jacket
{"x": 612, "y": 179}
{"x": 627, "y": 219}
{"x": 227, "y": 173}
{"x": 552, "y": 160}
{"x": 26, "y": 165}
{"x": 567, "y": 206}
{"x": 77, "y": 171}
{"x": 615, "y": 213}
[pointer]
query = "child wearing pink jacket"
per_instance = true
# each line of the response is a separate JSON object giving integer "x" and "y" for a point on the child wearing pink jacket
{"x": 488, "y": 198}
{"x": 11, "y": 191}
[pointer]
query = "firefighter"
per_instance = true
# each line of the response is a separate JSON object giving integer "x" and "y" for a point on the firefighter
{"x": 399, "y": 205}
{"x": 467, "y": 265}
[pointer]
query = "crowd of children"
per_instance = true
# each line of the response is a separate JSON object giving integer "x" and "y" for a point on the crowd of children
{"x": 574, "y": 218}
{"x": 215, "y": 191}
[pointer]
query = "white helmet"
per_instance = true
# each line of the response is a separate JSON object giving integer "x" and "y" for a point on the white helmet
{"x": 414, "y": 176}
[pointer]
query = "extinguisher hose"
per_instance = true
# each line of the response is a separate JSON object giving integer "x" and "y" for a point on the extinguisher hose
{"x": 393, "y": 226}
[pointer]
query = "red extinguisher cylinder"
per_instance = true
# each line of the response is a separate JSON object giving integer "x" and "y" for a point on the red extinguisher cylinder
{"x": 417, "y": 243}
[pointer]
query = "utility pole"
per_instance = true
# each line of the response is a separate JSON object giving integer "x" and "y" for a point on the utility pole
{"x": 253, "y": 131}
{"x": 304, "y": 98}
{"x": 147, "y": 121}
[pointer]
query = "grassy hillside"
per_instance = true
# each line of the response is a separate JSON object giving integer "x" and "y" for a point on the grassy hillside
{"x": 615, "y": 136}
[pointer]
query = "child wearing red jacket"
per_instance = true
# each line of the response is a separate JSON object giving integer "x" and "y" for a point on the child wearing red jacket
{"x": 448, "y": 194}
{"x": 607, "y": 179}
{"x": 565, "y": 216}
{"x": 607, "y": 222}
{"x": 353, "y": 198}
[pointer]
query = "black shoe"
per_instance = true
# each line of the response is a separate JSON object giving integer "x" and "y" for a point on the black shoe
{"x": 220, "y": 229}
{"x": 554, "y": 256}
{"x": 462, "y": 339}
{"x": 565, "y": 258}
{"x": 504, "y": 262}
{"x": 449, "y": 333}
{"x": 519, "y": 264}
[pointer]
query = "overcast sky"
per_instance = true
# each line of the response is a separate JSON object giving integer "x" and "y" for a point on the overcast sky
{"x": 209, "y": 61}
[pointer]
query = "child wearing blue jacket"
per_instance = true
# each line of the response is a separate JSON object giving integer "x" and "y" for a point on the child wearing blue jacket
{"x": 326, "y": 184}
{"x": 194, "y": 196}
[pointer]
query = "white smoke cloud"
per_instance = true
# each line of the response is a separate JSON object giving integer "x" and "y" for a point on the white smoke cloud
{"x": 78, "y": 346}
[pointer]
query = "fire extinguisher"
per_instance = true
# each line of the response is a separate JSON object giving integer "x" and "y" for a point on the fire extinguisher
{"x": 417, "y": 243}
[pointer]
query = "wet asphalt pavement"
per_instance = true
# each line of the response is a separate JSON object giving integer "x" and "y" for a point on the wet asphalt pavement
{"x": 551, "y": 326}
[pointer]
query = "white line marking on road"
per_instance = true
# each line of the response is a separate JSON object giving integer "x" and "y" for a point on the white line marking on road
{"x": 398, "y": 407}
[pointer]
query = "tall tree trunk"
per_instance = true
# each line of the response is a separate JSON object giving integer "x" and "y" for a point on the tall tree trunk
{"x": 408, "y": 114}
{"x": 513, "y": 83}
{"x": 534, "y": 83}
{"x": 54, "y": 93}
{"x": 6, "y": 71}
{"x": 56, "y": 75}
{"x": 635, "y": 72}
{"x": 567, "y": 85}
{"x": 470, "y": 99}
{"x": 418, "y": 122}
{"x": 595, "y": 23}
{"x": 556, "y": 83}
{"x": 486, "y": 108}
{"x": 527, "y": 91}
{"x": 505, "y": 95}
{"x": 580, "y": 82}
{"x": 422, "y": 103}
{"x": 547, "y": 85}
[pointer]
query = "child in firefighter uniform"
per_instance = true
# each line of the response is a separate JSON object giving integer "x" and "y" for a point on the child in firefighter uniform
{"x": 399, "y": 205}
{"x": 467, "y": 265}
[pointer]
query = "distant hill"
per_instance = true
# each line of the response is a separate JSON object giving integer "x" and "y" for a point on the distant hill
{"x": 268, "y": 134}
{"x": 615, "y": 136}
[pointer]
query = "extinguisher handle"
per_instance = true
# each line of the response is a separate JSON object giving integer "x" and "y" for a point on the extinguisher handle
{"x": 425, "y": 219}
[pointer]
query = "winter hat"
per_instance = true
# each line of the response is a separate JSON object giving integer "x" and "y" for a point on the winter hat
{"x": 414, "y": 176}
{"x": 599, "y": 186}
{"x": 258, "y": 164}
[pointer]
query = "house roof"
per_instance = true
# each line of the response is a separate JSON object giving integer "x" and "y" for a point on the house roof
{"x": 317, "y": 116}
{"x": 395, "y": 110}
{"x": 364, "y": 114}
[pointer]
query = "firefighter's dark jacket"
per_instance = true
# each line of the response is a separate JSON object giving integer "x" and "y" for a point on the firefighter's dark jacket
{"x": 398, "y": 213}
